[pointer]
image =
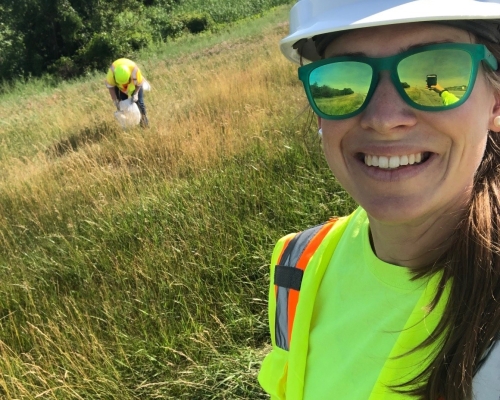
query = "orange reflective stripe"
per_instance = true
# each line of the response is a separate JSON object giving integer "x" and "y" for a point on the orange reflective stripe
{"x": 303, "y": 261}
{"x": 314, "y": 244}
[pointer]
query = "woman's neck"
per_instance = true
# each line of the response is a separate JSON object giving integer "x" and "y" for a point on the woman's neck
{"x": 414, "y": 244}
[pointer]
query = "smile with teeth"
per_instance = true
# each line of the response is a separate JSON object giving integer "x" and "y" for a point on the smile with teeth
{"x": 390, "y": 162}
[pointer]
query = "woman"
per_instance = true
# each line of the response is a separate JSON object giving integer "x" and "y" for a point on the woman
{"x": 400, "y": 300}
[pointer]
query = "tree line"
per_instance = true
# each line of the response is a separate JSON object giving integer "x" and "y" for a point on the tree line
{"x": 327, "y": 91}
{"x": 67, "y": 38}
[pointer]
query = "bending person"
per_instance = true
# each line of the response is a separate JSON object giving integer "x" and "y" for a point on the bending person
{"x": 124, "y": 80}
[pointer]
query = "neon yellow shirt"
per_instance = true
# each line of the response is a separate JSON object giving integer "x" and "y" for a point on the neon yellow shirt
{"x": 448, "y": 98}
{"x": 362, "y": 306}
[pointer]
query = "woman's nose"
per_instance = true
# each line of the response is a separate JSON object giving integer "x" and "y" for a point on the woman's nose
{"x": 387, "y": 111}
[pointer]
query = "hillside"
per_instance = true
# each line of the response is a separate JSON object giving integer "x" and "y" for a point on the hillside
{"x": 135, "y": 263}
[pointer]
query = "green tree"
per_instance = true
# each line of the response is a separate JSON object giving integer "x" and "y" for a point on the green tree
{"x": 42, "y": 31}
{"x": 49, "y": 33}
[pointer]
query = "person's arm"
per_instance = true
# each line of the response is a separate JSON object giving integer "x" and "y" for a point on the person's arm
{"x": 111, "y": 84}
{"x": 447, "y": 97}
{"x": 135, "y": 94}
{"x": 112, "y": 93}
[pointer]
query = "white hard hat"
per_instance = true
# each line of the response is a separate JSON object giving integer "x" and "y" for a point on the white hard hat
{"x": 309, "y": 18}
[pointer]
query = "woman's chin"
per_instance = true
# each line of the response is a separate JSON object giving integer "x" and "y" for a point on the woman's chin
{"x": 396, "y": 211}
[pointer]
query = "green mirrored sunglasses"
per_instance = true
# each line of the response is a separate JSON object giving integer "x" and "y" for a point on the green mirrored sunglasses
{"x": 429, "y": 78}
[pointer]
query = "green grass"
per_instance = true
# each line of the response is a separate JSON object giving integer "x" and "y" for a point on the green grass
{"x": 228, "y": 10}
{"x": 135, "y": 264}
{"x": 340, "y": 105}
{"x": 163, "y": 294}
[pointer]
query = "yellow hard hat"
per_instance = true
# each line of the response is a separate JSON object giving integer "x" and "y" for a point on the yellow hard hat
{"x": 122, "y": 74}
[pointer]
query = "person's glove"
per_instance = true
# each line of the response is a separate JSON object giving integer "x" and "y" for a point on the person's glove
{"x": 135, "y": 98}
{"x": 117, "y": 104}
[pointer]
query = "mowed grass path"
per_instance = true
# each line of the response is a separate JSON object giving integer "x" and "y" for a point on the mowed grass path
{"x": 134, "y": 264}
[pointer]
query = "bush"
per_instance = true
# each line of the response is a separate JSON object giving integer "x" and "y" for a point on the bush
{"x": 199, "y": 22}
{"x": 130, "y": 33}
{"x": 12, "y": 57}
{"x": 64, "y": 68}
{"x": 100, "y": 51}
{"x": 133, "y": 30}
{"x": 174, "y": 27}
{"x": 162, "y": 24}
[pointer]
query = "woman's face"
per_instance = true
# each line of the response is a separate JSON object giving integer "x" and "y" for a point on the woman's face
{"x": 451, "y": 142}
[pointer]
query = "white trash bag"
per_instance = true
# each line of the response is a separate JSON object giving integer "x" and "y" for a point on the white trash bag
{"x": 146, "y": 86}
{"x": 129, "y": 114}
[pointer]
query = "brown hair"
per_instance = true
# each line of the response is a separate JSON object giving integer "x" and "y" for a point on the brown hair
{"x": 471, "y": 320}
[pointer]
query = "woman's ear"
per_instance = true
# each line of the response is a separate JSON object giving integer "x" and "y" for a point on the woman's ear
{"x": 494, "y": 124}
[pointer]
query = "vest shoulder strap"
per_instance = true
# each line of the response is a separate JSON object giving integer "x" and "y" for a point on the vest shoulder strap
{"x": 288, "y": 275}
{"x": 295, "y": 251}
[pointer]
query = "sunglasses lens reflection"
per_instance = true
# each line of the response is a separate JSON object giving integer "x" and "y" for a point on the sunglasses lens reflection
{"x": 340, "y": 88}
{"x": 448, "y": 69}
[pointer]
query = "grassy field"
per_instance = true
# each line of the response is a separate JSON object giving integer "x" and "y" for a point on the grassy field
{"x": 135, "y": 264}
{"x": 227, "y": 10}
{"x": 341, "y": 105}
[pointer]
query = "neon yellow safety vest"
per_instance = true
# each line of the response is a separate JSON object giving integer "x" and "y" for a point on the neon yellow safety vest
{"x": 283, "y": 370}
{"x": 136, "y": 78}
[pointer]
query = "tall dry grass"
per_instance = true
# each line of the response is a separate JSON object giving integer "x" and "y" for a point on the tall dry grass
{"x": 207, "y": 105}
{"x": 134, "y": 263}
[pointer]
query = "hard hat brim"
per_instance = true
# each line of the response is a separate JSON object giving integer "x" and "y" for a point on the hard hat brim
{"x": 307, "y": 21}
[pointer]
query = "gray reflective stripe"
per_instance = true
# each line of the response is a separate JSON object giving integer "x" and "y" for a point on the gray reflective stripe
{"x": 281, "y": 323}
{"x": 289, "y": 258}
{"x": 297, "y": 245}
{"x": 486, "y": 382}
{"x": 134, "y": 75}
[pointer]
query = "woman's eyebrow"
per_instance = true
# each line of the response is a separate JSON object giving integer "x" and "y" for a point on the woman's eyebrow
{"x": 401, "y": 50}
{"x": 416, "y": 46}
